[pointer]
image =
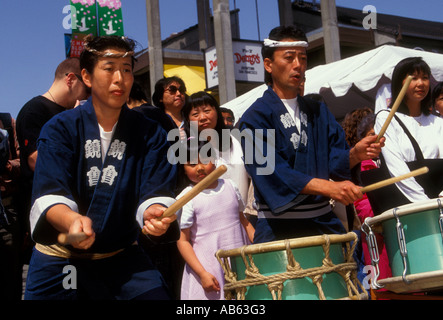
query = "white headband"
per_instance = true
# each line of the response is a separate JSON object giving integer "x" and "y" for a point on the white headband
{"x": 109, "y": 54}
{"x": 276, "y": 43}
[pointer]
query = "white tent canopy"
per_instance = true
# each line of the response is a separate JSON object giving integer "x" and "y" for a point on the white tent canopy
{"x": 366, "y": 69}
{"x": 243, "y": 102}
{"x": 352, "y": 82}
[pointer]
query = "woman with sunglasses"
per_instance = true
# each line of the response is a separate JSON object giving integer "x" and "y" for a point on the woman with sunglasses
{"x": 170, "y": 96}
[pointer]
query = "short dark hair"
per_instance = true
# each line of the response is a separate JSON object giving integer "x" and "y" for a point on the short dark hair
{"x": 137, "y": 92}
{"x": 199, "y": 99}
{"x": 160, "y": 87}
{"x": 281, "y": 33}
{"x": 89, "y": 57}
{"x": 404, "y": 68}
{"x": 438, "y": 89}
{"x": 66, "y": 66}
{"x": 202, "y": 98}
{"x": 227, "y": 110}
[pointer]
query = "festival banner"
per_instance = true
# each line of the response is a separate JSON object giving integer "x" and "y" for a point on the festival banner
{"x": 110, "y": 17}
{"x": 101, "y": 17}
{"x": 84, "y": 17}
{"x": 84, "y": 22}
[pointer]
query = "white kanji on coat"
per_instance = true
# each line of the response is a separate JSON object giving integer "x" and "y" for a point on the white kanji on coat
{"x": 304, "y": 138}
{"x": 93, "y": 175}
{"x": 117, "y": 149}
{"x": 109, "y": 175}
{"x": 287, "y": 120}
{"x": 295, "y": 138}
{"x": 92, "y": 149}
{"x": 304, "y": 118}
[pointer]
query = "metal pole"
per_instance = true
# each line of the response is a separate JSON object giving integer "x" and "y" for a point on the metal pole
{"x": 258, "y": 20}
{"x": 154, "y": 42}
{"x": 97, "y": 18}
{"x": 330, "y": 30}
{"x": 223, "y": 46}
{"x": 204, "y": 24}
{"x": 285, "y": 12}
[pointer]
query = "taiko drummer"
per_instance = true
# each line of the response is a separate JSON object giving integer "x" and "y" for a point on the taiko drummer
{"x": 102, "y": 170}
{"x": 312, "y": 159}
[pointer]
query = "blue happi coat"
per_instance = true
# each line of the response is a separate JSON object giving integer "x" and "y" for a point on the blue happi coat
{"x": 113, "y": 194}
{"x": 318, "y": 151}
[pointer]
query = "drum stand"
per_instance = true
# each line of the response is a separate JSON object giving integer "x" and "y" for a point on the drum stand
{"x": 389, "y": 295}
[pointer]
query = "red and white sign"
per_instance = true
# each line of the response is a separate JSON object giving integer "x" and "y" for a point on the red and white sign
{"x": 248, "y": 63}
{"x": 77, "y": 44}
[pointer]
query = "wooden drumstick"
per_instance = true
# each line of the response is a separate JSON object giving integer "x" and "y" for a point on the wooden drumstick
{"x": 393, "y": 180}
{"x": 69, "y": 238}
{"x": 188, "y": 196}
{"x": 394, "y": 108}
{"x": 66, "y": 238}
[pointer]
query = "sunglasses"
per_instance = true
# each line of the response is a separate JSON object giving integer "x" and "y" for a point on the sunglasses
{"x": 173, "y": 89}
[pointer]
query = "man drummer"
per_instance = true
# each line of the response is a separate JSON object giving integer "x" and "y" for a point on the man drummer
{"x": 313, "y": 162}
{"x": 102, "y": 170}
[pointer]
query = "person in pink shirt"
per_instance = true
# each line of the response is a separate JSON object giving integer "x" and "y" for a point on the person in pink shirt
{"x": 363, "y": 207}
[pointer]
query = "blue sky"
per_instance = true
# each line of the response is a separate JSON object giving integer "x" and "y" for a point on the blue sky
{"x": 33, "y": 42}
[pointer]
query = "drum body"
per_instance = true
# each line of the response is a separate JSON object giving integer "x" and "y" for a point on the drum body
{"x": 414, "y": 245}
{"x": 309, "y": 268}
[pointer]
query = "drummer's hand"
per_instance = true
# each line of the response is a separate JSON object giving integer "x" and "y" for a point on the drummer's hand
{"x": 345, "y": 192}
{"x": 82, "y": 224}
{"x": 209, "y": 282}
{"x": 366, "y": 149}
{"x": 154, "y": 226}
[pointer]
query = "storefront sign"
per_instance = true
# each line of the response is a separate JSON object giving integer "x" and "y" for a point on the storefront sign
{"x": 248, "y": 63}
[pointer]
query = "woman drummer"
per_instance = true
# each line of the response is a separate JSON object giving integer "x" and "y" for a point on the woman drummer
{"x": 413, "y": 121}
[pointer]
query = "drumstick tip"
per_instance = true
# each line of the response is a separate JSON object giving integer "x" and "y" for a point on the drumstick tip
{"x": 62, "y": 238}
{"x": 68, "y": 238}
{"x": 422, "y": 170}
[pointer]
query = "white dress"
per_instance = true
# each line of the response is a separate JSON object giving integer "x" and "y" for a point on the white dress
{"x": 213, "y": 219}
{"x": 427, "y": 131}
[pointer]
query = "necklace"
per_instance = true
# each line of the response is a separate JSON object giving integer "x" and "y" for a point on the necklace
{"x": 52, "y": 97}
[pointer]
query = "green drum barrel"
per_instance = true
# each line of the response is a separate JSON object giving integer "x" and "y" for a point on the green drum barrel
{"x": 270, "y": 263}
{"x": 310, "y": 268}
{"x": 423, "y": 242}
